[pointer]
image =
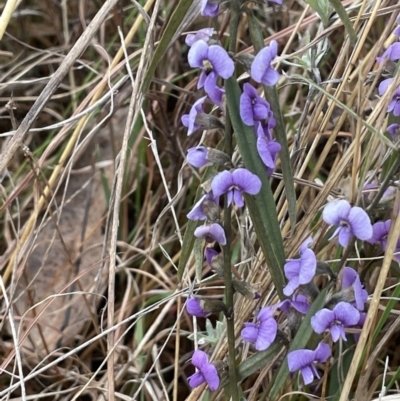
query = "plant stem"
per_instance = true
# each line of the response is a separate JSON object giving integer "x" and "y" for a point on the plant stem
{"x": 230, "y": 321}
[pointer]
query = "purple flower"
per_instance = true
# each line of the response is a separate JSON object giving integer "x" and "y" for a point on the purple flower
{"x": 211, "y": 233}
{"x": 267, "y": 147}
{"x": 394, "y": 131}
{"x": 194, "y": 308}
{"x": 351, "y": 221}
{"x": 305, "y": 359}
{"x": 197, "y": 212}
{"x": 252, "y": 106}
{"x": 342, "y": 315}
{"x": 234, "y": 184}
{"x": 201, "y": 34}
{"x": 209, "y": 8}
{"x": 261, "y": 70}
{"x": 392, "y": 53}
{"x": 350, "y": 278}
{"x": 394, "y": 105}
{"x": 263, "y": 332}
{"x": 299, "y": 302}
{"x": 197, "y": 156}
{"x": 300, "y": 271}
{"x": 189, "y": 120}
{"x": 380, "y": 233}
{"x": 275, "y": 1}
{"x": 210, "y": 253}
{"x": 207, "y": 372}
{"x": 214, "y": 62}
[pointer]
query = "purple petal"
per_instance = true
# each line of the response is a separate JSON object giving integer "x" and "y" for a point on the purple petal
{"x": 222, "y": 183}
{"x": 392, "y": 53}
{"x": 237, "y": 198}
{"x": 218, "y": 233}
{"x": 292, "y": 268}
{"x": 215, "y": 93}
{"x": 210, "y": 253}
{"x": 197, "y": 212}
{"x": 250, "y": 333}
{"x": 336, "y": 211}
{"x": 267, "y": 149}
{"x": 394, "y": 130}
{"x": 260, "y": 111}
{"x": 211, "y": 376}
{"x": 299, "y": 359}
{"x": 221, "y": 62}
{"x": 265, "y": 313}
{"x": 199, "y": 359}
{"x": 360, "y": 294}
{"x": 201, "y": 34}
{"x": 193, "y": 308}
{"x": 344, "y": 236}
{"x": 266, "y": 334}
{"x": 196, "y": 379}
{"x": 384, "y": 85}
{"x": 291, "y": 286}
{"x": 346, "y": 313}
{"x": 380, "y": 231}
{"x": 197, "y": 54}
{"x": 308, "y": 266}
{"x": 308, "y": 374}
{"x": 246, "y": 109}
{"x": 322, "y": 352}
{"x": 360, "y": 223}
{"x": 197, "y": 156}
{"x": 210, "y": 84}
{"x": 322, "y": 320}
{"x": 337, "y": 332}
{"x": 261, "y": 70}
{"x": 300, "y": 303}
{"x": 246, "y": 181}
{"x": 209, "y": 9}
{"x": 349, "y": 277}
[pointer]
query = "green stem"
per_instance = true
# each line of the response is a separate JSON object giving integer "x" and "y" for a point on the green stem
{"x": 230, "y": 321}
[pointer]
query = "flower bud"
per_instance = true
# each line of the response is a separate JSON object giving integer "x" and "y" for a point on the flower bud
{"x": 209, "y": 121}
{"x": 215, "y": 156}
{"x": 245, "y": 289}
{"x": 213, "y": 305}
{"x": 212, "y": 211}
{"x": 246, "y": 60}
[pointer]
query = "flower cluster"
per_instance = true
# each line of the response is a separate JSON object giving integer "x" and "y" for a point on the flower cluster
{"x": 216, "y": 65}
{"x": 392, "y": 53}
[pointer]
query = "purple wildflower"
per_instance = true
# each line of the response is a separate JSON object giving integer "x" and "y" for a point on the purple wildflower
{"x": 234, "y": 184}
{"x": 300, "y": 271}
{"x": 350, "y": 278}
{"x": 214, "y": 62}
{"x": 261, "y": 70}
{"x": 267, "y": 147}
{"x": 263, "y": 332}
{"x": 209, "y": 8}
{"x": 210, "y": 253}
{"x": 392, "y": 53}
{"x": 194, "y": 308}
{"x": 394, "y": 131}
{"x": 207, "y": 372}
{"x": 351, "y": 221}
{"x": 252, "y": 106}
{"x": 211, "y": 233}
{"x": 197, "y": 156}
{"x": 299, "y": 302}
{"x": 197, "y": 212}
{"x": 305, "y": 359}
{"x": 189, "y": 120}
{"x": 380, "y": 234}
{"x": 201, "y": 34}
{"x": 342, "y": 315}
{"x": 394, "y": 105}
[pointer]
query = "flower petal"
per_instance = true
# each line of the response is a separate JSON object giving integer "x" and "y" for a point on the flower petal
{"x": 196, "y": 379}
{"x": 322, "y": 320}
{"x": 250, "y": 333}
{"x": 345, "y": 234}
{"x": 222, "y": 183}
{"x": 347, "y": 314}
{"x": 222, "y": 64}
{"x": 197, "y": 54}
{"x": 246, "y": 181}
{"x": 336, "y": 211}
{"x": 210, "y": 374}
{"x": 199, "y": 358}
{"x": 266, "y": 334}
{"x": 360, "y": 223}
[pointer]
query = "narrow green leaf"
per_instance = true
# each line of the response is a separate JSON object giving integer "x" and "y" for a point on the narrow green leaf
{"x": 303, "y": 335}
{"x": 342, "y": 13}
{"x": 166, "y": 39}
{"x": 262, "y": 207}
{"x": 255, "y": 362}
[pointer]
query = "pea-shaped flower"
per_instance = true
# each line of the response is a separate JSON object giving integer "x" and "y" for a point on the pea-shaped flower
{"x": 206, "y": 372}
{"x": 261, "y": 70}
{"x": 234, "y": 184}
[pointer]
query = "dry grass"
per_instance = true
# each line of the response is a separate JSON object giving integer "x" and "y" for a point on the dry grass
{"x": 93, "y": 211}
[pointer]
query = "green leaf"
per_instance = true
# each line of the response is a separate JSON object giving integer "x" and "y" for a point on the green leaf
{"x": 321, "y": 7}
{"x": 262, "y": 207}
{"x": 342, "y": 13}
{"x": 170, "y": 31}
